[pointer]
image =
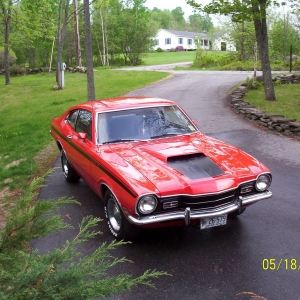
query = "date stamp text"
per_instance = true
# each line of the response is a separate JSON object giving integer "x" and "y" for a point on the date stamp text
{"x": 273, "y": 264}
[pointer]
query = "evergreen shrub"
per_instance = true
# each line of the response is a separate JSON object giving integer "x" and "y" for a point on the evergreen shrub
{"x": 63, "y": 273}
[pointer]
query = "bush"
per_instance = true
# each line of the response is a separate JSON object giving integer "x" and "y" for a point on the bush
{"x": 17, "y": 70}
{"x": 159, "y": 50}
{"x": 11, "y": 55}
{"x": 210, "y": 58}
{"x": 202, "y": 59}
{"x": 118, "y": 61}
{"x": 62, "y": 273}
{"x": 179, "y": 48}
{"x": 253, "y": 84}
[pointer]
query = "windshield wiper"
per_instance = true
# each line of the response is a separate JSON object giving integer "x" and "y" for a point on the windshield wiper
{"x": 120, "y": 141}
{"x": 163, "y": 135}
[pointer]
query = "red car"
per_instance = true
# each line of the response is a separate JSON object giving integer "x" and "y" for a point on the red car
{"x": 152, "y": 167}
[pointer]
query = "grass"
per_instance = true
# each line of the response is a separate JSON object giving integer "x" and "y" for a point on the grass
{"x": 28, "y": 105}
{"x": 158, "y": 58}
{"x": 287, "y": 103}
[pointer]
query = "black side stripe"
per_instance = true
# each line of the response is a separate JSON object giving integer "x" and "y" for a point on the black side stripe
{"x": 97, "y": 164}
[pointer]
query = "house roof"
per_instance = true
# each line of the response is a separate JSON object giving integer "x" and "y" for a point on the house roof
{"x": 183, "y": 33}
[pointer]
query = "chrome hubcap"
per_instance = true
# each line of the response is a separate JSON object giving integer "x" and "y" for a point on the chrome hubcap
{"x": 64, "y": 165}
{"x": 114, "y": 214}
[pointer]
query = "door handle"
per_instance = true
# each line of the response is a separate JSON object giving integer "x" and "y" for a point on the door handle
{"x": 69, "y": 136}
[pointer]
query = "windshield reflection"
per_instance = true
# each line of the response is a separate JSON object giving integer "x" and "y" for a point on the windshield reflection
{"x": 142, "y": 124}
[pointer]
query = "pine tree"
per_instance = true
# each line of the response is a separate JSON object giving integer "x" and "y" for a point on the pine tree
{"x": 62, "y": 273}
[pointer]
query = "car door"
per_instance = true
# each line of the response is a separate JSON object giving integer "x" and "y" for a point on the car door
{"x": 79, "y": 146}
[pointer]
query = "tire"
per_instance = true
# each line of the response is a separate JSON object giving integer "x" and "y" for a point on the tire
{"x": 118, "y": 224}
{"x": 236, "y": 213}
{"x": 69, "y": 172}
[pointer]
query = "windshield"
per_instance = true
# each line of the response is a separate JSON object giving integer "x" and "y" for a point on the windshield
{"x": 142, "y": 124}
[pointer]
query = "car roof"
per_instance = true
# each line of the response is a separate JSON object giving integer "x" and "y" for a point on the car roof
{"x": 120, "y": 103}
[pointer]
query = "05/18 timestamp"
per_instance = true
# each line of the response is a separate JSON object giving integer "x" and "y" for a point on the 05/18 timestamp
{"x": 274, "y": 264}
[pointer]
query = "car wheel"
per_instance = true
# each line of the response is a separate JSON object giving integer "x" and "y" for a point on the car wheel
{"x": 236, "y": 213}
{"x": 69, "y": 172}
{"x": 118, "y": 224}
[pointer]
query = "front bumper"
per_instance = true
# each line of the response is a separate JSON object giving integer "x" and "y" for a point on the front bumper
{"x": 188, "y": 214}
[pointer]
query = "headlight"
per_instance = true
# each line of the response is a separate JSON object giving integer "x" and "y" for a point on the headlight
{"x": 147, "y": 204}
{"x": 263, "y": 182}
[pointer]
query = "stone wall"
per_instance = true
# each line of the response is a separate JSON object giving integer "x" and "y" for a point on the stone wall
{"x": 278, "y": 123}
{"x": 28, "y": 71}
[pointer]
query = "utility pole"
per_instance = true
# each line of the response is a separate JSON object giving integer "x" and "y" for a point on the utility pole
{"x": 77, "y": 36}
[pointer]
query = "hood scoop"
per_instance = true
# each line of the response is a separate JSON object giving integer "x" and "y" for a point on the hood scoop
{"x": 195, "y": 166}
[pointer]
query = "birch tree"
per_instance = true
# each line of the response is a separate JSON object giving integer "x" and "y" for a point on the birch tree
{"x": 101, "y": 10}
{"x": 89, "y": 52}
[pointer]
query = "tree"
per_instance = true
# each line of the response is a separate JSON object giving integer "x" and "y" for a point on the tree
{"x": 138, "y": 31}
{"x": 178, "y": 17}
{"x": 35, "y": 31}
{"x": 207, "y": 23}
{"x": 63, "y": 15}
{"x": 101, "y": 13}
{"x": 63, "y": 273}
{"x": 283, "y": 34}
{"x": 6, "y": 9}
{"x": 248, "y": 10}
{"x": 200, "y": 22}
{"x": 241, "y": 34}
{"x": 163, "y": 18}
{"x": 126, "y": 29}
{"x": 89, "y": 52}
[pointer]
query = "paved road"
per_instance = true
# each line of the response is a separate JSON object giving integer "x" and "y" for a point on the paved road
{"x": 220, "y": 262}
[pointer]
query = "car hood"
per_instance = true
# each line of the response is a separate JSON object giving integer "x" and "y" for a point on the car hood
{"x": 193, "y": 164}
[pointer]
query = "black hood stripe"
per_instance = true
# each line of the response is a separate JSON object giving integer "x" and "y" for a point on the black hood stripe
{"x": 195, "y": 166}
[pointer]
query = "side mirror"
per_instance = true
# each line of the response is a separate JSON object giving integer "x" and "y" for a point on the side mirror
{"x": 82, "y": 135}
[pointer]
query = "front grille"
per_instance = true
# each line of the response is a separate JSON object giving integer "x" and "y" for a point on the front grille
{"x": 203, "y": 202}
{"x": 208, "y": 202}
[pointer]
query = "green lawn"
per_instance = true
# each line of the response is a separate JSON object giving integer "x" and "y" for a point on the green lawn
{"x": 287, "y": 103}
{"x": 29, "y": 103}
{"x": 158, "y": 58}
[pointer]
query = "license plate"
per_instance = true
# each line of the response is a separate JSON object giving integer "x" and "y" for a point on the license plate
{"x": 213, "y": 221}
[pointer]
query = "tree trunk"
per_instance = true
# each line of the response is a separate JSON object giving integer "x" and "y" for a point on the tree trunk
{"x": 6, "y": 46}
{"x": 61, "y": 33}
{"x": 77, "y": 36}
{"x": 106, "y": 43}
{"x": 103, "y": 37}
{"x": 243, "y": 56}
{"x": 89, "y": 52}
{"x": 100, "y": 53}
{"x": 260, "y": 24}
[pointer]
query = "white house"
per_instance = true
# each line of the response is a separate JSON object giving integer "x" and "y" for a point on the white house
{"x": 168, "y": 39}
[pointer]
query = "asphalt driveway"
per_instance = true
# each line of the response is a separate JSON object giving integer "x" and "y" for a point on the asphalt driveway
{"x": 220, "y": 262}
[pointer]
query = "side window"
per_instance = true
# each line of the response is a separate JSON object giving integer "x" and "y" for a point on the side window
{"x": 84, "y": 123}
{"x": 71, "y": 118}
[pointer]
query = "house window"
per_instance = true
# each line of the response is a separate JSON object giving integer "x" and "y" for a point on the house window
{"x": 190, "y": 41}
{"x": 157, "y": 42}
{"x": 205, "y": 42}
{"x": 168, "y": 41}
{"x": 180, "y": 41}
